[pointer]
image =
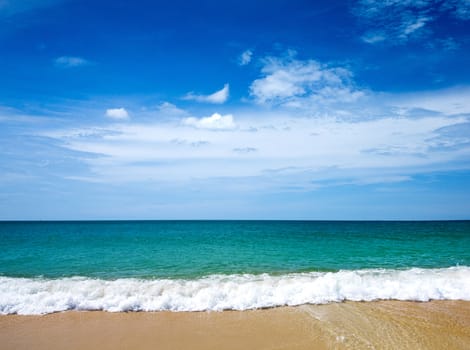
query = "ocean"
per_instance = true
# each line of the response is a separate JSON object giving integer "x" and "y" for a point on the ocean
{"x": 227, "y": 265}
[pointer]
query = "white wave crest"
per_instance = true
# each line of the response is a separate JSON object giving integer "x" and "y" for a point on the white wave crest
{"x": 236, "y": 292}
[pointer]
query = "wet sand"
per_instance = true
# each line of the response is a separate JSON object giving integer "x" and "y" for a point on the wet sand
{"x": 350, "y": 325}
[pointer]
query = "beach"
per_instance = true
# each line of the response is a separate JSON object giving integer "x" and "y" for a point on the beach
{"x": 234, "y": 285}
{"x": 347, "y": 325}
{"x": 226, "y": 175}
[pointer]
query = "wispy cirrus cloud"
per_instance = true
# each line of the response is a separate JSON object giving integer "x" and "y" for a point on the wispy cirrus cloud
{"x": 396, "y": 22}
{"x": 459, "y": 8}
{"x": 372, "y": 37}
{"x": 312, "y": 149}
{"x": 70, "y": 62}
{"x": 217, "y": 97}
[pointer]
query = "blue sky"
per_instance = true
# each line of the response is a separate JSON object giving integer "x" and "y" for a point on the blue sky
{"x": 234, "y": 109}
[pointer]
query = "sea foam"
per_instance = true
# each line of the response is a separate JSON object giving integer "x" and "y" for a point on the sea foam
{"x": 30, "y": 296}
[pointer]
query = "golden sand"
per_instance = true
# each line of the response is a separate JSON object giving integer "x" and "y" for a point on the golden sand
{"x": 350, "y": 325}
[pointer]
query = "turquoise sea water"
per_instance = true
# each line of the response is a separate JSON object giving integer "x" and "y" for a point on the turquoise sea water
{"x": 198, "y": 265}
{"x": 191, "y": 249}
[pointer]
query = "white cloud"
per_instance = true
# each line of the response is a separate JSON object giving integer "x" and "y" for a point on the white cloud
{"x": 214, "y": 122}
{"x": 70, "y": 62}
{"x": 398, "y": 21}
{"x": 384, "y": 137}
{"x": 245, "y": 57}
{"x": 217, "y": 97}
{"x": 315, "y": 149}
{"x": 290, "y": 82}
{"x": 373, "y": 37}
{"x": 117, "y": 113}
{"x": 170, "y": 109}
{"x": 414, "y": 25}
{"x": 448, "y": 101}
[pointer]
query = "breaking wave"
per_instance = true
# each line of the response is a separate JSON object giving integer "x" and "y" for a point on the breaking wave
{"x": 31, "y": 296}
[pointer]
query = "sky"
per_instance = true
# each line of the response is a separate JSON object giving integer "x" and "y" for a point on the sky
{"x": 321, "y": 110}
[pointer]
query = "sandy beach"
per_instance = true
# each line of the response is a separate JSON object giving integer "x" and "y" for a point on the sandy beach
{"x": 349, "y": 325}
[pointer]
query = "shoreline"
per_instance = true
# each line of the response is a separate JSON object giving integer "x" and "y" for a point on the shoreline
{"x": 218, "y": 292}
{"x": 348, "y": 325}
